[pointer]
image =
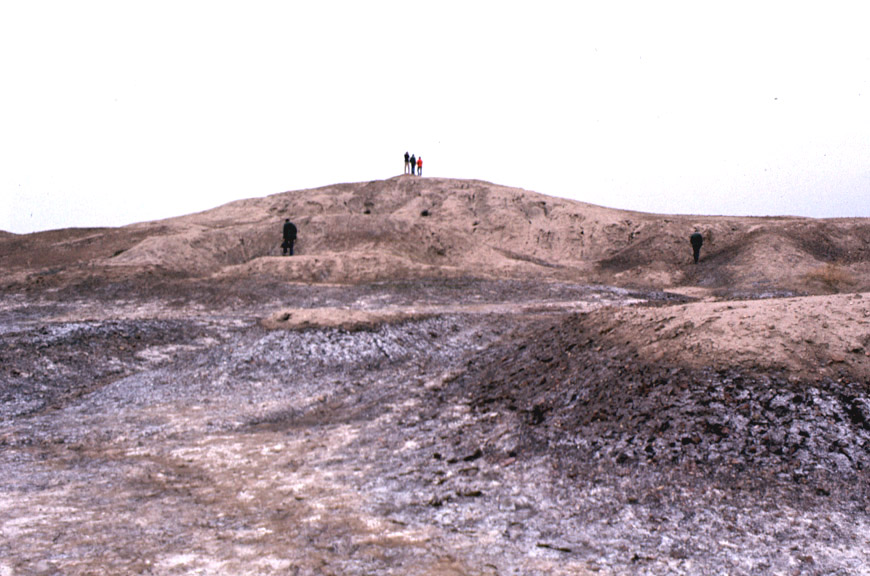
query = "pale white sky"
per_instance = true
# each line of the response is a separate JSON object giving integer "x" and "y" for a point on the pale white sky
{"x": 113, "y": 112}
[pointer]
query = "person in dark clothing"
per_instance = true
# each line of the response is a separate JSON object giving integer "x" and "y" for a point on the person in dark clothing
{"x": 289, "y": 237}
{"x": 413, "y": 164}
{"x": 697, "y": 240}
{"x": 407, "y": 163}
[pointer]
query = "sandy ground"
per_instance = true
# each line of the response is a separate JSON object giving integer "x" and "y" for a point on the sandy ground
{"x": 452, "y": 377}
{"x": 809, "y": 337}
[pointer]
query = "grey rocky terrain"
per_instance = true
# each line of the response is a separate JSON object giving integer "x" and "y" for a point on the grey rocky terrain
{"x": 500, "y": 439}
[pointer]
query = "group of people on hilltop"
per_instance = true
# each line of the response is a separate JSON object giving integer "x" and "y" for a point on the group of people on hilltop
{"x": 412, "y": 163}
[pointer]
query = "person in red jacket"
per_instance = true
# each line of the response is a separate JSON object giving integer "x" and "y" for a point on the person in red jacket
{"x": 420, "y": 166}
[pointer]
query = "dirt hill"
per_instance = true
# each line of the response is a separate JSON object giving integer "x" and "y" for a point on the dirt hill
{"x": 451, "y": 377}
{"x": 408, "y": 227}
{"x": 411, "y": 229}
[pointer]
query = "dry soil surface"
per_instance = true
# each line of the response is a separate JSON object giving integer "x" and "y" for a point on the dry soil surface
{"x": 451, "y": 378}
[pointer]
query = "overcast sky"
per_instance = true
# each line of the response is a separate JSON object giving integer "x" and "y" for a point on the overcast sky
{"x": 114, "y": 112}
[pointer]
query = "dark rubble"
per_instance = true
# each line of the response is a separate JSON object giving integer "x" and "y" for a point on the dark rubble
{"x": 576, "y": 391}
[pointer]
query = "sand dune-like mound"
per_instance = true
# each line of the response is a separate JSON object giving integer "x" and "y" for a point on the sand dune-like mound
{"x": 408, "y": 227}
{"x": 807, "y": 337}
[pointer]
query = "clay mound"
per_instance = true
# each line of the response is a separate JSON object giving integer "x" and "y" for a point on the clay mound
{"x": 408, "y": 227}
{"x": 809, "y": 337}
{"x": 598, "y": 388}
{"x": 792, "y": 255}
{"x": 343, "y": 318}
{"x": 774, "y": 384}
{"x": 351, "y": 267}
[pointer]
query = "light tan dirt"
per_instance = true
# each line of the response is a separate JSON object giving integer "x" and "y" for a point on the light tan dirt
{"x": 408, "y": 227}
{"x": 809, "y": 337}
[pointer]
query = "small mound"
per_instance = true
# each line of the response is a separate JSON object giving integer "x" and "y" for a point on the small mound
{"x": 332, "y": 268}
{"x": 341, "y": 318}
{"x": 583, "y": 391}
{"x": 809, "y": 337}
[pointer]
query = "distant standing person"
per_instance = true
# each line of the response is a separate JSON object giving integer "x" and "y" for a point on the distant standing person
{"x": 697, "y": 240}
{"x": 289, "y": 237}
{"x": 413, "y": 163}
{"x": 407, "y": 163}
{"x": 420, "y": 166}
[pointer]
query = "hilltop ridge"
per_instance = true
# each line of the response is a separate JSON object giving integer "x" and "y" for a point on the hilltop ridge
{"x": 407, "y": 227}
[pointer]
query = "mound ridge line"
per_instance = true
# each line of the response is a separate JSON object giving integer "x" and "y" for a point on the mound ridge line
{"x": 409, "y": 228}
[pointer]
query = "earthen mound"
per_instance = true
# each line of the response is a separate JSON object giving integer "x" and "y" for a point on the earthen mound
{"x": 406, "y": 228}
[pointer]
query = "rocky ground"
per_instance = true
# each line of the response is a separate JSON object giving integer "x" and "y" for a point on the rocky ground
{"x": 420, "y": 427}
